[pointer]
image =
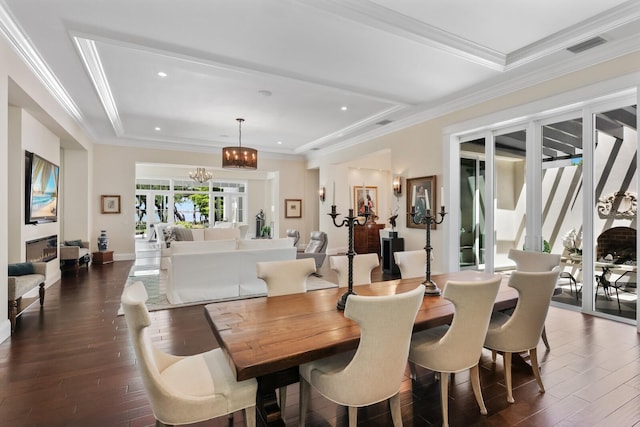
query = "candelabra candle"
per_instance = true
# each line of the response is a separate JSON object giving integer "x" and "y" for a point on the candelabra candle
{"x": 350, "y": 221}
{"x": 431, "y": 288}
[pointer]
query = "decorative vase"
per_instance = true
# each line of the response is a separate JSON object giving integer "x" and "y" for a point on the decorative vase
{"x": 103, "y": 241}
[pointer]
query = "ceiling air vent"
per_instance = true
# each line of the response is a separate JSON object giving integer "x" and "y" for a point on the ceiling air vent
{"x": 384, "y": 122}
{"x": 586, "y": 45}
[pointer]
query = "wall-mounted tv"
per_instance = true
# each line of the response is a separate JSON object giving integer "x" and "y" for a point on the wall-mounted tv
{"x": 41, "y": 186}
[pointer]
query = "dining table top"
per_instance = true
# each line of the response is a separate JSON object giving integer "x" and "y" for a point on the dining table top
{"x": 265, "y": 335}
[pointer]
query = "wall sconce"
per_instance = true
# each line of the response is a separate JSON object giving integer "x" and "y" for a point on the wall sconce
{"x": 397, "y": 186}
{"x": 322, "y": 193}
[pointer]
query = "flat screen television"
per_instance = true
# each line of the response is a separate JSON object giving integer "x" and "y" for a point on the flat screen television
{"x": 41, "y": 188}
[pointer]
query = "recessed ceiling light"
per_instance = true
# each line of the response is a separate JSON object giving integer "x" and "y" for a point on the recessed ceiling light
{"x": 279, "y": 142}
{"x": 162, "y": 74}
{"x": 344, "y": 108}
{"x": 157, "y": 128}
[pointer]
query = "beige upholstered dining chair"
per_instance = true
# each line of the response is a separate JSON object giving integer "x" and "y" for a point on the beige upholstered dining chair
{"x": 411, "y": 263}
{"x": 536, "y": 262}
{"x": 449, "y": 349}
{"x": 362, "y": 266}
{"x": 286, "y": 277}
{"x": 374, "y": 372}
{"x": 189, "y": 389}
{"x": 521, "y": 331}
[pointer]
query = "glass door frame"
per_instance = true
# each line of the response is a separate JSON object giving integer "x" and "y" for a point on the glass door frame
{"x": 588, "y": 107}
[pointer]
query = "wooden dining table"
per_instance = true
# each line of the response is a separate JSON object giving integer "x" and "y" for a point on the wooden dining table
{"x": 267, "y": 338}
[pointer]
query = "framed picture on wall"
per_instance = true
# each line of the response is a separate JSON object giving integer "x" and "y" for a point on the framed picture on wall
{"x": 421, "y": 197}
{"x": 293, "y": 208}
{"x": 110, "y": 204}
{"x": 365, "y": 196}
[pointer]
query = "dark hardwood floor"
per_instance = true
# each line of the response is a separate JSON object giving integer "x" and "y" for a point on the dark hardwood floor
{"x": 71, "y": 365}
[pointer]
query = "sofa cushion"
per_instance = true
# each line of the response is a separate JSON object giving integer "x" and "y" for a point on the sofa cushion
{"x": 203, "y": 246}
{"x": 20, "y": 285}
{"x": 182, "y": 234}
{"x": 73, "y": 243}
{"x": 198, "y": 234}
{"x": 265, "y": 243}
{"x": 221, "y": 233}
{"x": 21, "y": 268}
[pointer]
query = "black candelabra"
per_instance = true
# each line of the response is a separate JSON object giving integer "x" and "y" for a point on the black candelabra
{"x": 427, "y": 219}
{"x": 350, "y": 221}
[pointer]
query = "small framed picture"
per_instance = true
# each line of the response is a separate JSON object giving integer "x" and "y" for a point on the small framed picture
{"x": 363, "y": 198}
{"x": 421, "y": 197}
{"x": 110, "y": 204}
{"x": 293, "y": 208}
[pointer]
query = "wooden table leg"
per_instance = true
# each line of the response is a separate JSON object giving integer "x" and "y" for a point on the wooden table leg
{"x": 269, "y": 412}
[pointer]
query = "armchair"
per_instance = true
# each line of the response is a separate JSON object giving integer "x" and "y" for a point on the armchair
{"x": 316, "y": 249}
{"x": 295, "y": 235}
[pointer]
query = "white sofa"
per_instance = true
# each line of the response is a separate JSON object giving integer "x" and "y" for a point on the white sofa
{"x": 196, "y": 234}
{"x": 221, "y": 269}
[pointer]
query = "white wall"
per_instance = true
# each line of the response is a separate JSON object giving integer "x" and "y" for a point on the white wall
{"x": 44, "y": 117}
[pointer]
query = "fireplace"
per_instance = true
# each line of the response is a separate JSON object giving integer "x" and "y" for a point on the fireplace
{"x": 43, "y": 249}
{"x": 620, "y": 242}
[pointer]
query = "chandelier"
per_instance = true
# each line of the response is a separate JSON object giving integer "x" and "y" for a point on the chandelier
{"x": 239, "y": 157}
{"x": 200, "y": 175}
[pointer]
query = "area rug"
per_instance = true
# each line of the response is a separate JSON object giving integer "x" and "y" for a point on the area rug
{"x": 155, "y": 279}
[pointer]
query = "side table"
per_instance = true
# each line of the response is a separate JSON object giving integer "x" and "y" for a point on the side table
{"x": 389, "y": 246}
{"x": 105, "y": 257}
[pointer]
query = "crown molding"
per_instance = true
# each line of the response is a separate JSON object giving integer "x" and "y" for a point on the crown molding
{"x": 30, "y": 56}
{"x": 91, "y": 59}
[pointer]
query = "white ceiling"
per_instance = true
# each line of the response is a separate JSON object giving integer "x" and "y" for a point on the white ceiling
{"x": 287, "y": 67}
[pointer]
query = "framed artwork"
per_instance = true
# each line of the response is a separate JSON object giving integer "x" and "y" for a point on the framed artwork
{"x": 110, "y": 204}
{"x": 421, "y": 196}
{"x": 365, "y": 196}
{"x": 293, "y": 208}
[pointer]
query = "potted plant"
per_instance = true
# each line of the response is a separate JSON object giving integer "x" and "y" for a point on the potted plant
{"x": 572, "y": 242}
{"x": 265, "y": 233}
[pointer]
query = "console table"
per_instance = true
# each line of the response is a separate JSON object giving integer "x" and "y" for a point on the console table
{"x": 367, "y": 239}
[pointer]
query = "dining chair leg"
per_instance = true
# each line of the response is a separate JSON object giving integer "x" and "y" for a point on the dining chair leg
{"x": 412, "y": 370}
{"x": 533, "y": 356}
{"x": 249, "y": 416}
{"x": 353, "y": 416}
{"x": 507, "y": 376}
{"x": 544, "y": 338}
{"x": 305, "y": 391}
{"x": 493, "y": 355}
{"x": 475, "y": 384}
{"x": 282, "y": 391}
{"x": 396, "y": 413}
{"x": 444, "y": 397}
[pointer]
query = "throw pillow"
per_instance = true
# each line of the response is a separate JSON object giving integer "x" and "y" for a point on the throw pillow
{"x": 183, "y": 234}
{"x": 21, "y": 268}
{"x": 169, "y": 236}
{"x": 73, "y": 243}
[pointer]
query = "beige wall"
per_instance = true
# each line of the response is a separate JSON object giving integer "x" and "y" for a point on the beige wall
{"x": 277, "y": 179}
{"x": 418, "y": 150}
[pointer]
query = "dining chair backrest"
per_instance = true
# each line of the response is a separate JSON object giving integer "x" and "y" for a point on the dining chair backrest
{"x": 411, "y": 263}
{"x": 461, "y": 346}
{"x": 523, "y": 329}
{"x": 376, "y": 370}
{"x": 286, "y": 277}
{"x": 534, "y": 261}
{"x": 362, "y": 266}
